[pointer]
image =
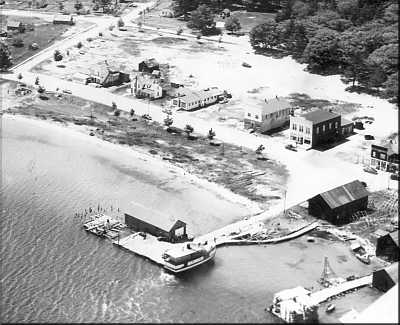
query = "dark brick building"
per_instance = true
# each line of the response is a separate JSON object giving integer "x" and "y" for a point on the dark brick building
{"x": 339, "y": 204}
{"x": 387, "y": 246}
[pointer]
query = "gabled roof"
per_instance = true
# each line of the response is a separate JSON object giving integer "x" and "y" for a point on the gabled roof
{"x": 319, "y": 116}
{"x": 161, "y": 221}
{"x": 13, "y": 23}
{"x": 344, "y": 194}
{"x": 62, "y": 18}
{"x": 275, "y": 105}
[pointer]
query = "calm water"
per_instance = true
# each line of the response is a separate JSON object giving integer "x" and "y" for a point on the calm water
{"x": 53, "y": 271}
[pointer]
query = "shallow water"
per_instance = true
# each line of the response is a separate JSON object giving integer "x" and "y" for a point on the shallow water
{"x": 53, "y": 271}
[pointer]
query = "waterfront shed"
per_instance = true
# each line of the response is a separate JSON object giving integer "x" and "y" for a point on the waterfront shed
{"x": 170, "y": 230}
{"x": 339, "y": 204}
{"x": 387, "y": 245}
{"x": 386, "y": 278}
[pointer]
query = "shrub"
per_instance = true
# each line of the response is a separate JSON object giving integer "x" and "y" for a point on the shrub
{"x": 79, "y": 45}
{"x": 117, "y": 112}
{"x": 57, "y": 55}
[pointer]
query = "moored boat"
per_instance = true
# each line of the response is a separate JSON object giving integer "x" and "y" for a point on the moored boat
{"x": 188, "y": 255}
{"x": 330, "y": 308}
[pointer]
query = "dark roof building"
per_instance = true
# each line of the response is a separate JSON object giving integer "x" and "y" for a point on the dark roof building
{"x": 172, "y": 231}
{"x": 387, "y": 246}
{"x": 319, "y": 116}
{"x": 386, "y": 278}
{"x": 149, "y": 65}
{"x": 15, "y": 25}
{"x": 339, "y": 204}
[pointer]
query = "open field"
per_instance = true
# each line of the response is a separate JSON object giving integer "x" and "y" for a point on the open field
{"x": 44, "y": 34}
{"x": 52, "y": 5}
{"x": 236, "y": 168}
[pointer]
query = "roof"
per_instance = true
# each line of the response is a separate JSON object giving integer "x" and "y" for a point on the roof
{"x": 193, "y": 95}
{"x": 344, "y": 194}
{"x": 395, "y": 236}
{"x": 291, "y": 293}
{"x": 380, "y": 233}
{"x": 393, "y": 271}
{"x": 161, "y": 221}
{"x": 62, "y": 18}
{"x": 13, "y": 23}
{"x": 151, "y": 63}
{"x": 319, "y": 116}
{"x": 382, "y": 310}
{"x": 344, "y": 121}
{"x": 275, "y": 105}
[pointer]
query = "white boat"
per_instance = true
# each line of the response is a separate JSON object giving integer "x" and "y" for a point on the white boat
{"x": 188, "y": 255}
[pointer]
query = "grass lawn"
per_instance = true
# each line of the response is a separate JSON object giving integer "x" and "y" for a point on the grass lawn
{"x": 44, "y": 34}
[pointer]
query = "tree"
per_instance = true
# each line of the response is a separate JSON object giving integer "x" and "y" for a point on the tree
{"x": 168, "y": 121}
{"x": 260, "y": 149}
{"x": 61, "y": 6}
{"x": 37, "y": 81}
{"x": 121, "y": 23}
{"x": 265, "y": 35}
{"x": 188, "y": 129}
{"x": 181, "y": 7}
{"x": 211, "y": 134}
{"x": 114, "y": 106}
{"x": 19, "y": 76}
{"x": 79, "y": 45}
{"x": 300, "y": 9}
{"x": 347, "y": 8}
{"x": 322, "y": 50}
{"x": 41, "y": 89}
{"x": 117, "y": 112}
{"x": 202, "y": 19}
{"x": 57, "y": 55}
{"x": 132, "y": 112}
{"x": 5, "y": 57}
{"x": 392, "y": 86}
{"x": 233, "y": 24}
{"x": 78, "y": 5}
{"x": 386, "y": 57}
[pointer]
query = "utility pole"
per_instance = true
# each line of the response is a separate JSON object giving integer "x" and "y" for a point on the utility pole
{"x": 284, "y": 203}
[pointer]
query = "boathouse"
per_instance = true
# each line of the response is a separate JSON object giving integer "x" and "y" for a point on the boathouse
{"x": 387, "y": 245}
{"x": 386, "y": 278}
{"x": 171, "y": 231}
{"x": 339, "y": 204}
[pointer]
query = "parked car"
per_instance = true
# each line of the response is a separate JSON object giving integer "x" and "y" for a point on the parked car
{"x": 246, "y": 65}
{"x": 395, "y": 177}
{"x": 147, "y": 117}
{"x": 370, "y": 170}
{"x": 290, "y": 147}
{"x": 67, "y": 91}
{"x": 369, "y": 137}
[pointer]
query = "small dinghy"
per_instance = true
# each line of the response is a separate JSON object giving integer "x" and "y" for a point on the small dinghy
{"x": 330, "y": 308}
{"x": 310, "y": 239}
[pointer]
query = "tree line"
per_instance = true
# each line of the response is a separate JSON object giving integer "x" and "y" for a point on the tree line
{"x": 356, "y": 38}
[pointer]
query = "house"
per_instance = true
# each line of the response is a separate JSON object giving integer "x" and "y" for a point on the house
{"x": 387, "y": 245}
{"x": 270, "y": 115}
{"x": 385, "y": 279}
{"x": 346, "y": 127}
{"x": 191, "y": 99}
{"x": 106, "y": 76}
{"x": 339, "y": 204}
{"x": 63, "y": 19}
{"x": 15, "y": 25}
{"x": 172, "y": 231}
{"x": 167, "y": 13}
{"x": 147, "y": 85}
{"x": 385, "y": 156}
{"x": 315, "y": 128}
{"x": 149, "y": 65}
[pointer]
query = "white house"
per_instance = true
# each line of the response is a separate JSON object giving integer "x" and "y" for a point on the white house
{"x": 272, "y": 114}
{"x": 147, "y": 85}
{"x": 190, "y": 99}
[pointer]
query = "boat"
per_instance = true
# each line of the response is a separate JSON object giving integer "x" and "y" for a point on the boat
{"x": 310, "y": 239}
{"x": 363, "y": 258}
{"x": 188, "y": 255}
{"x": 330, "y": 308}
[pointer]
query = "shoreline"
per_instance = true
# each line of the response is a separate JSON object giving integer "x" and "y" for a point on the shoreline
{"x": 79, "y": 132}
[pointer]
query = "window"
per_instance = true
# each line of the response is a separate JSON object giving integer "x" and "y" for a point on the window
{"x": 330, "y": 125}
{"x": 317, "y": 131}
{"x": 256, "y": 117}
{"x": 373, "y": 153}
{"x": 306, "y": 141}
{"x": 294, "y": 127}
{"x": 292, "y": 137}
{"x": 301, "y": 128}
{"x": 382, "y": 156}
{"x": 336, "y": 125}
{"x": 307, "y": 130}
{"x": 323, "y": 128}
{"x": 248, "y": 114}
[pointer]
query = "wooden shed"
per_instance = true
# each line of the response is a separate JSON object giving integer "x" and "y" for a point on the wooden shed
{"x": 386, "y": 278}
{"x": 387, "y": 245}
{"x": 172, "y": 231}
{"x": 339, "y": 204}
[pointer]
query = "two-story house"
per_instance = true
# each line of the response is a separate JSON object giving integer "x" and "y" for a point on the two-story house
{"x": 315, "y": 128}
{"x": 273, "y": 114}
{"x": 147, "y": 85}
{"x": 385, "y": 157}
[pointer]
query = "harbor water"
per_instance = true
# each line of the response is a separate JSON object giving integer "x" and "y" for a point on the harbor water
{"x": 53, "y": 271}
